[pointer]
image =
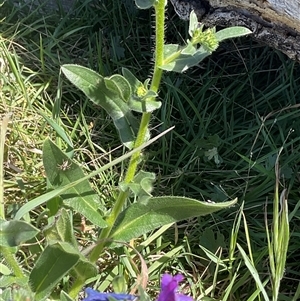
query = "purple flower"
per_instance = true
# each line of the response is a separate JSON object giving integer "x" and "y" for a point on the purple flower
{"x": 169, "y": 287}
{"x": 93, "y": 295}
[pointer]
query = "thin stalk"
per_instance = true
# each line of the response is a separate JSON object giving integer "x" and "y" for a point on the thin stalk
{"x": 3, "y": 130}
{"x": 6, "y": 253}
{"x": 133, "y": 163}
{"x": 278, "y": 240}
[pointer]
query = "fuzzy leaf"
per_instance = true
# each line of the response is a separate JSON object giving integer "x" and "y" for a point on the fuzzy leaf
{"x": 14, "y": 233}
{"x": 193, "y": 23}
{"x": 183, "y": 61}
{"x": 94, "y": 87}
{"x": 142, "y": 217}
{"x": 53, "y": 264}
{"x": 118, "y": 83}
{"x": 170, "y": 49}
{"x": 142, "y": 103}
{"x": 132, "y": 80}
{"x": 145, "y": 104}
{"x": 62, "y": 231}
{"x": 60, "y": 171}
{"x": 144, "y": 4}
{"x": 5, "y": 269}
{"x": 189, "y": 49}
{"x": 84, "y": 269}
{"x": 141, "y": 186}
{"x": 232, "y": 32}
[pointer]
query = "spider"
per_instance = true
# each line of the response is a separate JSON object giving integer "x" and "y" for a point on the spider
{"x": 65, "y": 165}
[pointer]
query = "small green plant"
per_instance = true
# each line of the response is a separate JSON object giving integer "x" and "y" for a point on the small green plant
{"x": 135, "y": 210}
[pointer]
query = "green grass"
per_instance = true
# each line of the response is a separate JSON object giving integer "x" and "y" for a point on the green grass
{"x": 244, "y": 101}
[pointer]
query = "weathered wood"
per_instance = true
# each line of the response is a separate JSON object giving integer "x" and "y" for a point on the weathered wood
{"x": 273, "y": 22}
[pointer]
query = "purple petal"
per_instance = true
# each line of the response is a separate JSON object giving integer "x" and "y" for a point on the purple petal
{"x": 165, "y": 279}
{"x": 178, "y": 278}
{"x": 169, "y": 287}
{"x": 93, "y": 295}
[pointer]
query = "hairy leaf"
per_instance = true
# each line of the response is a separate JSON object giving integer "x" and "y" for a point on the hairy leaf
{"x": 118, "y": 84}
{"x": 193, "y": 23}
{"x": 142, "y": 217}
{"x": 60, "y": 171}
{"x": 93, "y": 85}
{"x": 144, "y": 104}
{"x": 186, "y": 59}
{"x": 141, "y": 186}
{"x": 53, "y": 264}
{"x": 232, "y": 32}
{"x": 62, "y": 231}
{"x": 144, "y": 4}
{"x": 141, "y": 99}
{"x": 14, "y": 233}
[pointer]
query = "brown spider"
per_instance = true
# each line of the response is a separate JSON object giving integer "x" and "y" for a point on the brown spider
{"x": 65, "y": 165}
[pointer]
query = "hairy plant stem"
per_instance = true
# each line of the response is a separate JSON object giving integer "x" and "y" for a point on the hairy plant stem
{"x": 133, "y": 163}
{"x": 12, "y": 262}
{"x": 76, "y": 288}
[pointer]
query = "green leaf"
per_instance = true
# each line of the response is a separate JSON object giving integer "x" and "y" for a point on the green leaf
{"x": 15, "y": 293}
{"x": 119, "y": 284}
{"x": 84, "y": 269}
{"x": 118, "y": 83}
{"x": 211, "y": 240}
{"x": 144, "y": 102}
{"x": 14, "y": 233}
{"x": 190, "y": 49}
{"x": 193, "y": 23}
{"x": 183, "y": 61}
{"x": 171, "y": 49}
{"x": 61, "y": 171}
{"x": 4, "y": 270}
{"x": 144, "y": 4}
{"x": 141, "y": 186}
{"x": 53, "y": 264}
{"x": 61, "y": 133}
{"x": 94, "y": 87}
{"x": 132, "y": 80}
{"x": 61, "y": 229}
{"x": 253, "y": 271}
{"x": 142, "y": 217}
{"x": 232, "y": 32}
{"x": 11, "y": 281}
{"x": 54, "y": 205}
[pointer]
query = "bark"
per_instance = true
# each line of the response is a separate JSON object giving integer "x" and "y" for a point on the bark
{"x": 275, "y": 23}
